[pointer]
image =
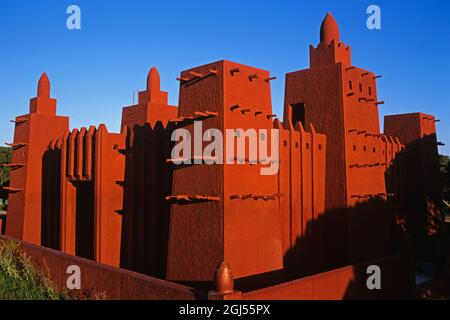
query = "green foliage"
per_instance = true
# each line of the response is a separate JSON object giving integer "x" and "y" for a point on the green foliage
{"x": 5, "y": 157}
{"x": 19, "y": 279}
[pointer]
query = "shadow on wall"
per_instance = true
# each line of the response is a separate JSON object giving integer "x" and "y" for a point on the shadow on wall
{"x": 148, "y": 180}
{"x": 421, "y": 207}
{"x": 347, "y": 236}
{"x": 420, "y": 197}
{"x": 335, "y": 239}
{"x": 408, "y": 220}
{"x": 51, "y": 195}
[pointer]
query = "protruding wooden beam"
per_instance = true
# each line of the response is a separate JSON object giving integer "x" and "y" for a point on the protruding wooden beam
{"x": 270, "y": 79}
{"x": 195, "y": 74}
{"x": 178, "y": 197}
{"x": 206, "y": 198}
{"x": 18, "y": 121}
{"x": 120, "y": 183}
{"x": 17, "y": 145}
{"x": 12, "y": 189}
{"x": 211, "y": 113}
{"x": 234, "y": 70}
{"x": 14, "y": 165}
{"x": 190, "y": 198}
{"x": 173, "y": 160}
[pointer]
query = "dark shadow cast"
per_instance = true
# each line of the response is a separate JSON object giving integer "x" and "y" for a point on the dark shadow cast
{"x": 84, "y": 219}
{"x": 51, "y": 199}
{"x": 420, "y": 196}
{"x": 397, "y": 225}
{"x": 148, "y": 180}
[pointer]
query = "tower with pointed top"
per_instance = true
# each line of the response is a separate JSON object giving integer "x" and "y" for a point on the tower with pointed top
{"x": 32, "y": 135}
{"x": 42, "y": 103}
{"x": 152, "y": 105}
{"x": 340, "y": 100}
{"x": 330, "y": 49}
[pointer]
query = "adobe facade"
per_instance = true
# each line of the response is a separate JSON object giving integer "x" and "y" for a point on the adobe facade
{"x": 119, "y": 198}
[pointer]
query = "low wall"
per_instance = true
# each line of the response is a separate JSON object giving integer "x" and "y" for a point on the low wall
{"x": 397, "y": 282}
{"x": 98, "y": 280}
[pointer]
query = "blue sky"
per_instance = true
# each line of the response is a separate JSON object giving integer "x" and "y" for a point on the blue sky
{"x": 95, "y": 70}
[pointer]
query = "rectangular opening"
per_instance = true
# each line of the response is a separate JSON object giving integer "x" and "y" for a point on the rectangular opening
{"x": 298, "y": 114}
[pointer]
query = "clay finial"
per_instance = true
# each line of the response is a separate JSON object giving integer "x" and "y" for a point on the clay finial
{"x": 43, "y": 86}
{"x": 329, "y": 30}
{"x": 223, "y": 279}
{"x": 153, "y": 80}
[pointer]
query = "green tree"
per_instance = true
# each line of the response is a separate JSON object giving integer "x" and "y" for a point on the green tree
{"x": 5, "y": 157}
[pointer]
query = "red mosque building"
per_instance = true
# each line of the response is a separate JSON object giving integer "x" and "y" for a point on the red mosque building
{"x": 341, "y": 188}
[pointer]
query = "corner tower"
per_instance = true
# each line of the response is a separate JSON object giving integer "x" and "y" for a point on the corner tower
{"x": 224, "y": 212}
{"x": 32, "y": 135}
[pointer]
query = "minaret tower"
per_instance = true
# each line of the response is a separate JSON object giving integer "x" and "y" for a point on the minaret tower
{"x": 32, "y": 135}
{"x": 152, "y": 105}
{"x": 340, "y": 100}
{"x": 330, "y": 49}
